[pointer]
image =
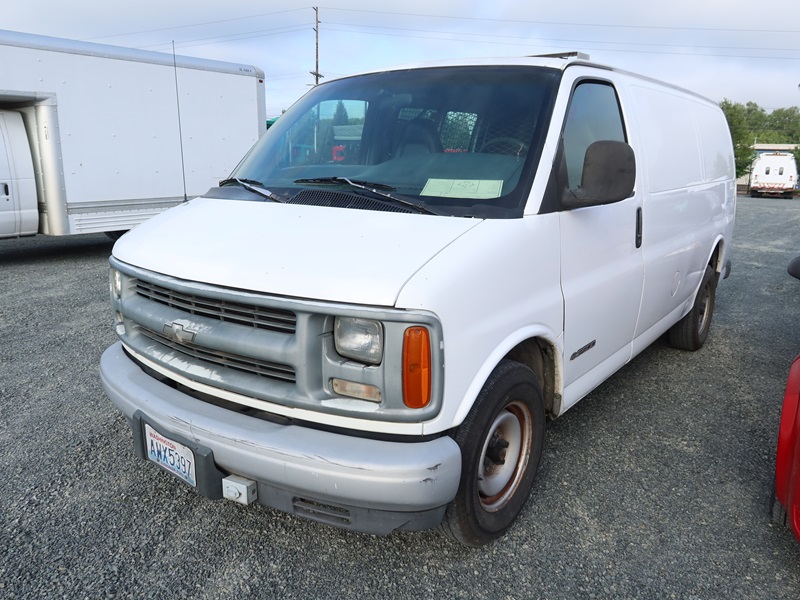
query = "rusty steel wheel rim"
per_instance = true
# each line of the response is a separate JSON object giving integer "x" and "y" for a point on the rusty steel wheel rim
{"x": 504, "y": 457}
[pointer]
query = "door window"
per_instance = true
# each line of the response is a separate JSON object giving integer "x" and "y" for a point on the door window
{"x": 594, "y": 114}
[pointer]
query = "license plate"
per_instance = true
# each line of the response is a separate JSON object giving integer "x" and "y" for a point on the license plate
{"x": 169, "y": 454}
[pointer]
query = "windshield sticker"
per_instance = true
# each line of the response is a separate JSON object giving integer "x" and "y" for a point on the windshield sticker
{"x": 463, "y": 188}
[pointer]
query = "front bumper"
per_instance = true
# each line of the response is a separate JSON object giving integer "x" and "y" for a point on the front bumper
{"x": 368, "y": 485}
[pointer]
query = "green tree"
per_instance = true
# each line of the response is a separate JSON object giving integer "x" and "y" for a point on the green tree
{"x": 741, "y": 133}
{"x": 756, "y": 119}
{"x": 340, "y": 117}
{"x": 783, "y": 126}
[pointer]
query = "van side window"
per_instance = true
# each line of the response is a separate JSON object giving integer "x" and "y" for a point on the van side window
{"x": 780, "y": 171}
{"x": 767, "y": 171}
{"x": 594, "y": 114}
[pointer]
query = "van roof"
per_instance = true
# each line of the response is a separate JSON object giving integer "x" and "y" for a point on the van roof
{"x": 557, "y": 60}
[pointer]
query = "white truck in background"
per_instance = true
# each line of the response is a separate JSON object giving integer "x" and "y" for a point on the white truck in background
{"x": 97, "y": 138}
{"x": 773, "y": 174}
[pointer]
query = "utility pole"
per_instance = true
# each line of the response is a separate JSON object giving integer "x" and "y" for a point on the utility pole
{"x": 317, "y": 75}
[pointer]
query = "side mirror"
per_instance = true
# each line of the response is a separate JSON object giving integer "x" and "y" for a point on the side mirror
{"x": 794, "y": 268}
{"x": 609, "y": 175}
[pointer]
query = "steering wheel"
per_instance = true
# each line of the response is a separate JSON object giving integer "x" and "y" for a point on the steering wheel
{"x": 505, "y": 145}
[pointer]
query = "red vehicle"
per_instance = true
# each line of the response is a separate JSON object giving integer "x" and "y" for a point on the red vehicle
{"x": 786, "y": 496}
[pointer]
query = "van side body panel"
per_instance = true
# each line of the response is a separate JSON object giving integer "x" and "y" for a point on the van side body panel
{"x": 689, "y": 202}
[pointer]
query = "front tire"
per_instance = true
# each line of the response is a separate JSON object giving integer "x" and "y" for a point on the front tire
{"x": 691, "y": 331}
{"x": 501, "y": 445}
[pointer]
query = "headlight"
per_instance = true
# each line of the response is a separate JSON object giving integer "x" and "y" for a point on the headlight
{"x": 359, "y": 339}
{"x": 115, "y": 280}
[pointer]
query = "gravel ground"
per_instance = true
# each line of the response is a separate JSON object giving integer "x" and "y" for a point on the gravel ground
{"x": 657, "y": 485}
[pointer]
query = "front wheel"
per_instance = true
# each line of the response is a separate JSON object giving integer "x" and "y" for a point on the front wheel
{"x": 501, "y": 444}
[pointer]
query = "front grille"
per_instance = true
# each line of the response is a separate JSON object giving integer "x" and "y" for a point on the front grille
{"x": 251, "y": 315}
{"x": 245, "y": 364}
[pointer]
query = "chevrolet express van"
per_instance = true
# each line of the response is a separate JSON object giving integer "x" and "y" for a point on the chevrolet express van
{"x": 369, "y": 322}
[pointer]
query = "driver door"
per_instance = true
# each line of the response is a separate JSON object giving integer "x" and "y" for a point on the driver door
{"x": 602, "y": 267}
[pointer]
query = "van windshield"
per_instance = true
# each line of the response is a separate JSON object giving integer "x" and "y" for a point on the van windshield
{"x": 458, "y": 141}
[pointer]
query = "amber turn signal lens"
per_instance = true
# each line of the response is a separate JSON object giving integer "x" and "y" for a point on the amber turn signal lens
{"x": 416, "y": 367}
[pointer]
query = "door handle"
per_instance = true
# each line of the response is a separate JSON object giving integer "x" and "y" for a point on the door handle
{"x": 639, "y": 227}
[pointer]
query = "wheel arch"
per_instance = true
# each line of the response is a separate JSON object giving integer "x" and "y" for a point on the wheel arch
{"x": 533, "y": 347}
{"x": 539, "y": 355}
{"x": 717, "y": 254}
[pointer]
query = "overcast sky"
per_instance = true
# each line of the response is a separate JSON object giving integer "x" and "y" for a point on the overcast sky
{"x": 730, "y": 49}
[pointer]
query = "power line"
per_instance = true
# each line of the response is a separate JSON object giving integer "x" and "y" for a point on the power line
{"x": 483, "y": 19}
{"x": 539, "y": 45}
{"x": 216, "y": 22}
{"x": 300, "y": 27}
{"x": 234, "y": 37}
{"x": 557, "y": 40}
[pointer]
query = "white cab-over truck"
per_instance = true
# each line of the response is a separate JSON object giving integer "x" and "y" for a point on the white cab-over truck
{"x": 97, "y": 138}
{"x": 369, "y": 322}
{"x": 773, "y": 174}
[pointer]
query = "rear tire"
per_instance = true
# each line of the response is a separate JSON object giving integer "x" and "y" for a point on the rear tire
{"x": 777, "y": 512}
{"x": 501, "y": 445}
{"x": 691, "y": 331}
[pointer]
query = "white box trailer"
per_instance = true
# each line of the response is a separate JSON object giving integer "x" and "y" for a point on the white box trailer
{"x": 97, "y": 138}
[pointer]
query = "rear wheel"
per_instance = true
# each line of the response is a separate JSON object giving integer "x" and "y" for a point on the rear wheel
{"x": 691, "y": 331}
{"x": 777, "y": 511}
{"x": 501, "y": 444}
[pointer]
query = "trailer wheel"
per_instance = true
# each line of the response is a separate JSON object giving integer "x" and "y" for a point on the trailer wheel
{"x": 691, "y": 331}
{"x": 501, "y": 444}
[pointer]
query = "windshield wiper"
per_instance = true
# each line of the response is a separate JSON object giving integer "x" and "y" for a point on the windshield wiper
{"x": 375, "y": 188}
{"x": 253, "y": 186}
{"x": 359, "y": 183}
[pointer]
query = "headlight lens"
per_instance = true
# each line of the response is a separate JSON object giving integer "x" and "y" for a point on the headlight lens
{"x": 359, "y": 339}
{"x": 116, "y": 284}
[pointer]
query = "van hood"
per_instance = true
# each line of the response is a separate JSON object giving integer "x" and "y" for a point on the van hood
{"x": 320, "y": 253}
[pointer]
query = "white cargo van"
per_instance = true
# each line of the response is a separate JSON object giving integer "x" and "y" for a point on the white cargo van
{"x": 368, "y": 326}
{"x": 773, "y": 174}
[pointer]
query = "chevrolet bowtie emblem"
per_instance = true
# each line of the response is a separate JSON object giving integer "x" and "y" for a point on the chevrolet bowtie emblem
{"x": 179, "y": 332}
